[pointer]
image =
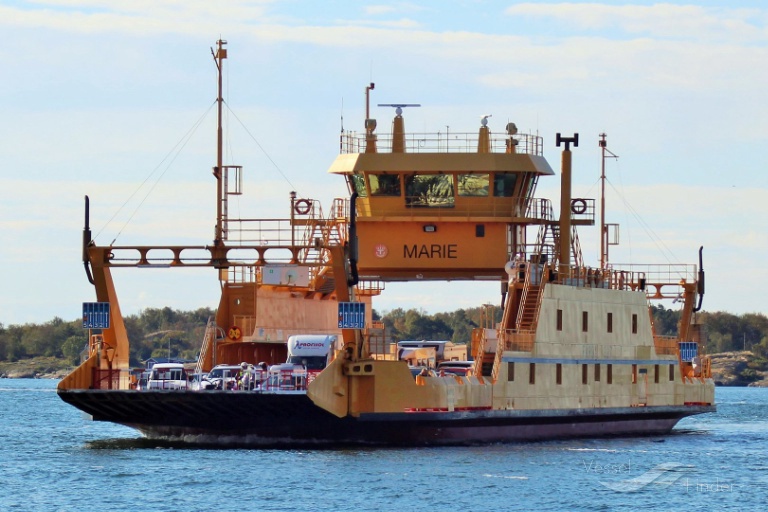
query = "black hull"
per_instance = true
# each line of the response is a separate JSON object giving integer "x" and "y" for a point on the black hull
{"x": 271, "y": 419}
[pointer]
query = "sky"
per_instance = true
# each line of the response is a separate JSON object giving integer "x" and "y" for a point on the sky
{"x": 113, "y": 99}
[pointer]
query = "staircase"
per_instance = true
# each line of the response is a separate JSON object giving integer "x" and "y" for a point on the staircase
{"x": 529, "y": 305}
{"x": 578, "y": 257}
{"x": 208, "y": 337}
{"x": 478, "y": 346}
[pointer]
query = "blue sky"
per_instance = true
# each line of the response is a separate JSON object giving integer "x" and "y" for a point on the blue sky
{"x": 96, "y": 93}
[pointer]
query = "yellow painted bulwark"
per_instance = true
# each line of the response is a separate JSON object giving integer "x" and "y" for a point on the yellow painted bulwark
{"x": 82, "y": 376}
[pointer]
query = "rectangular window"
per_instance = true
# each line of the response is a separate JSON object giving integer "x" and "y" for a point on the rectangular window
{"x": 559, "y": 373}
{"x": 584, "y": 321}
{"x": 384, "y": 184}
{"x": 634, "y": 373}
{"x": 656, "y": 374}
{"x": 511, "y": 372}
{"x": 504, "y": 184}
{"x": 559, "y": 319}
{"x": 358, "y": 183}
{"x": 597, "y": 373}
{"x": 429, "y": 191}
{"x": 610, "y": 322}
{"x": 634, "y": 323}
{"x": 584, "y": 374}
{"x": 609, "y": 374}
{"x": 473, "y": 184}
{"x": 532, "y": 374}
{"x": 671, "y": 372}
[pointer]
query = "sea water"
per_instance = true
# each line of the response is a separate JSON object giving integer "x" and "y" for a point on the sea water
{"x": 53, "y": 458}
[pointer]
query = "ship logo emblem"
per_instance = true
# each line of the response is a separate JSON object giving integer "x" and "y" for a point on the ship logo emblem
{"x": 381, "y": 251}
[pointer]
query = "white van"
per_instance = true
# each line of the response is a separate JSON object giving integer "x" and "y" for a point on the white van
{"x": 167, "y": 376}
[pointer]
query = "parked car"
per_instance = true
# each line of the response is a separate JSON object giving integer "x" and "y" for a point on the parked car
{"x": 222, "y": 376}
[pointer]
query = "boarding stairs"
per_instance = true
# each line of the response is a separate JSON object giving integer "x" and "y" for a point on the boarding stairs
{"x": 208, "y": 338}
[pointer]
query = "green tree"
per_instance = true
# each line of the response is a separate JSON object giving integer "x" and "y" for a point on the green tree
{"x": 73, "y": 346}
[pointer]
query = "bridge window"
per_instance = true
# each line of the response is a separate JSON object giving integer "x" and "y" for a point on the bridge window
{"x": 384, "y": 184}
{"x": 473, "y": 185}
{"x": 504, "y": 184}
{"x": 532, "y": 373}
{"x": 610, "y": 322}
{"x": 559, "y": 373}
{"x": 358, "y": 184}
{"x": 511, "y": 371}
{"x": 429, "y": 190}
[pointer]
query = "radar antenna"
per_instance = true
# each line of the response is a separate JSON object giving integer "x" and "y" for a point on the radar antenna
{"x": 399, "y": 106}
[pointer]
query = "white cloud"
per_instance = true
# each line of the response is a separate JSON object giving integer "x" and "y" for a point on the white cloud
{"x": 663, "y": 20}
{"x": 375, "y": 10}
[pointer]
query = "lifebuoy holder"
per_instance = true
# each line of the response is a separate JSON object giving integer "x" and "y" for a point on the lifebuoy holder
{"x": 578, "y": 206}
{"x": 302, "y": 206}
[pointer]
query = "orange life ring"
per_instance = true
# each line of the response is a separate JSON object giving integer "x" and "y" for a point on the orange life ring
{"x": 302, "y": 206}
{"x": 234, "y": 333}
{"x": 578, "y": 206}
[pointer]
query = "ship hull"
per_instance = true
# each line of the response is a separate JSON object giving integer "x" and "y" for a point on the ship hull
{"x": 286, "y": 419}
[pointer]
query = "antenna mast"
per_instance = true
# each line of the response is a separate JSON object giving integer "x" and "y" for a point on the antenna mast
{"x": 219, "y": 56}
{"x": 604, "y": 241}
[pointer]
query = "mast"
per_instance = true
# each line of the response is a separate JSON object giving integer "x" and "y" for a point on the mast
{"x": 565, "y": 203}
{"x": 219, "y": 56}
{"x": 604, "y": 243}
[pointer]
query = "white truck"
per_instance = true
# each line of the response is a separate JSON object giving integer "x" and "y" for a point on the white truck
{"x": 311, "y": 351}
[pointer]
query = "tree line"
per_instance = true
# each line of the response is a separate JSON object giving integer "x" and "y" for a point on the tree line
{"x": 168, "y": 332}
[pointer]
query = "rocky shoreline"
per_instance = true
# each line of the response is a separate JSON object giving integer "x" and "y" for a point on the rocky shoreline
{"x": 739, "y": 369}
{"x": 36, "y": 368}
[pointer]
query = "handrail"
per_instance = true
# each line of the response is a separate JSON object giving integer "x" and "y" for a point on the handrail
{"x": 210, "y": 333}
{"x": 449, "y": 142}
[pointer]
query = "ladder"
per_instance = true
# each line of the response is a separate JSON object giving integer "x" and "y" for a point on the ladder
{"x": 208, "y": 337}
{"x": 530, "y": 301}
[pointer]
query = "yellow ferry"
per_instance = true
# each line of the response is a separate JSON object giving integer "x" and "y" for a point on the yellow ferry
{"x": 575, "y": 353}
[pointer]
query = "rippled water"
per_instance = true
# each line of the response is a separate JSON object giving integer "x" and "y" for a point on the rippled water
{"x": 54, "y": 459}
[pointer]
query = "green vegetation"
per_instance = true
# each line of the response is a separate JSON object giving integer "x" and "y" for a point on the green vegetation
{"x": 153, "y": 333}
{"x": 164, "y": 332}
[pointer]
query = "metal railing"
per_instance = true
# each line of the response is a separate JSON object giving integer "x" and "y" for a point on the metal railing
{"x": 517, "y": 341}
{"x": 449, "y": 142}
{"x": 665, "y": 345}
